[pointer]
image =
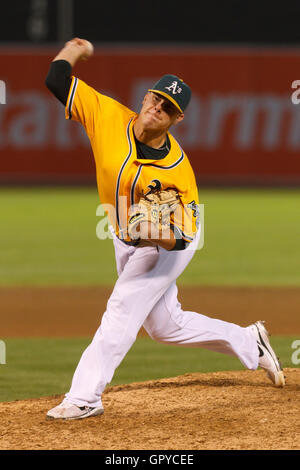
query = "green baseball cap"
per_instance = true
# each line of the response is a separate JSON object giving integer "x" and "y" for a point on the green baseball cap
{"x": 174, "y": 89}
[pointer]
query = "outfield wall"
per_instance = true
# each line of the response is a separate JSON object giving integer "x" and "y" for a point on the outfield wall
{"x": 241, "y": 125}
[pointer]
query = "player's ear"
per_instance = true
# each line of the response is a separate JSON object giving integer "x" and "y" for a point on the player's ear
{"x": 145, "y": 97}
{"x": 179, "y": 118}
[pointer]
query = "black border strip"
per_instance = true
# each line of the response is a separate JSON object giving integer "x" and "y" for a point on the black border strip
{"x": 134, "y": 184}
{"x": 167, "y": 167}
{"x": 121, "y": 170}
{"x": 72, "y": 97}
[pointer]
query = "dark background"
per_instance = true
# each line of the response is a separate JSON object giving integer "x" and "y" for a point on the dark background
{"x": 217, "y": 22}
{"x": 240, "y": 57}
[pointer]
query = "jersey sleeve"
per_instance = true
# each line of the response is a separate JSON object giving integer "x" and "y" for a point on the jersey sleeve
{"x": 93, "y": 109}
{"x": 82, "y": 104}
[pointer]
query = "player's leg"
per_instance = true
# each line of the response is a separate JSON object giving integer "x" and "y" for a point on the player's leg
{"x": 168, "y": 323}
{"x": 144, "y": 277}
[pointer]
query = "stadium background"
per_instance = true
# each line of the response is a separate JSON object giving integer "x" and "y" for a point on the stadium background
{"x": 242, "y": 134}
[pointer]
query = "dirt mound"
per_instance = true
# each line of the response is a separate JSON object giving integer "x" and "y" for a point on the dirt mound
{"x": 222, "y": 410}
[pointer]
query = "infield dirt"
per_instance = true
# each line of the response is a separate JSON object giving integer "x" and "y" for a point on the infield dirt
{"x": 220, "y": 410}
{"x": 77, "y": 311}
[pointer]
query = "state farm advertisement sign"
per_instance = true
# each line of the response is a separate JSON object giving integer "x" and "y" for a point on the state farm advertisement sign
{"x": 241, "y": 125}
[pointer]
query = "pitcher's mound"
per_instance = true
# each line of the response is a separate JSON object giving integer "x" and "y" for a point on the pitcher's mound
{"x": 222, "y": 410}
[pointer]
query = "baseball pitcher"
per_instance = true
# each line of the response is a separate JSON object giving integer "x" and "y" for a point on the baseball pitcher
{"x": 143, "y": 173}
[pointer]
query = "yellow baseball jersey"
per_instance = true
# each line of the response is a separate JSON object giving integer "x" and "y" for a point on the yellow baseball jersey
{"x": 122, "y": 177}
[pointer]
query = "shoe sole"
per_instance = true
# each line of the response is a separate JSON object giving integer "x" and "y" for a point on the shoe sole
{"x": 278, "y": 379}
{"x": 89, "y": 414}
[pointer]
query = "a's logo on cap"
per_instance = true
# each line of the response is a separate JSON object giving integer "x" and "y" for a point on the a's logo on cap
{"x": 174, "y": 88}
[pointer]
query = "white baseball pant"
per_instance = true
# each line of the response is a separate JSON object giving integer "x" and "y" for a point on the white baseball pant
{"x": 145, "y": 294}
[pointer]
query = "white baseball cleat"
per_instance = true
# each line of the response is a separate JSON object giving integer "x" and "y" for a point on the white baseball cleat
{"x": 67, "y": 410}
{"x": 267, "y": 357}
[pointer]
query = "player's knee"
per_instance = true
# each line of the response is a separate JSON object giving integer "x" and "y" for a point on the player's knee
{"x": 154, "y": 332}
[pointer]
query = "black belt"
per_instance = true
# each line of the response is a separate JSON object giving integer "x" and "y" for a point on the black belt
{"x": 131, "y": 243}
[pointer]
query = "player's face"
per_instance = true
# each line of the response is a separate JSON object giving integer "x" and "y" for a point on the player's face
{"x": 158, "y": 112}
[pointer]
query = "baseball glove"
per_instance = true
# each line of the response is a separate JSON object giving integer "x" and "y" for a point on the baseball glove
{"x": 155, "y": 207}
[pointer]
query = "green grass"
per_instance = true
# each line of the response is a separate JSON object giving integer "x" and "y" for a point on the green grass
{"x": 48, "y": 236}
{"x": 43, "y": 367}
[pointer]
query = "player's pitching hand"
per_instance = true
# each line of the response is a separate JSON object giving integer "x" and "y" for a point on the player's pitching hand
{"x": 83, "y": 45}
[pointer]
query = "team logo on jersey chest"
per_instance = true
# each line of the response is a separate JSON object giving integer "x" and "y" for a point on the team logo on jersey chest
{"x": 195, "y": 208}
{"x": 196, "y": 211}
{"x": 156, "y": 186}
